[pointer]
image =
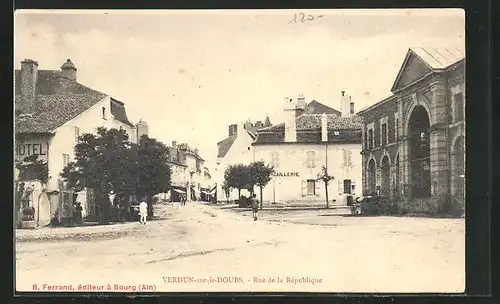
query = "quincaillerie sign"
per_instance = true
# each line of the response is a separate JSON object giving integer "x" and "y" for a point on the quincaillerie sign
{"x": 286, "y": 174}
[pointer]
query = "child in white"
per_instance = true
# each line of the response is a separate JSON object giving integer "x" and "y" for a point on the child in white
{"x": 143, "y": 211}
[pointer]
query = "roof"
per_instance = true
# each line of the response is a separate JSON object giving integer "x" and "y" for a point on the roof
{"x": 118, "y": 111}
{"x": 369, "y": 108}
{"x": 225, "y": 145}
{"x": 429, "y": 60}
{"x": 340, "y": 129}
{"x": 439, "y": 58}
{"x": 53, "y": 111}
{"x": 315, "y": 107}
{"x": 51, "y": 82}
{"x": 58, "y": 100}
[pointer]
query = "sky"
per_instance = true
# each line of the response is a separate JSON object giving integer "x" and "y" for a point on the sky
{"x": 190, "y": 74}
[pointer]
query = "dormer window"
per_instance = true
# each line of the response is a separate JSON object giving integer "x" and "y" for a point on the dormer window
{"x": 104, "y": 113}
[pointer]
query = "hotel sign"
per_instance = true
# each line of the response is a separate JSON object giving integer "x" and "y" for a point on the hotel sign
{"x": 286, "y": 174}
{"x": 25, "y": 149}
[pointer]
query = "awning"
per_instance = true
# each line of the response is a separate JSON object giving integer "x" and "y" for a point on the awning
{"x": 205, "y": 192}
{"x": 179, "y": 191}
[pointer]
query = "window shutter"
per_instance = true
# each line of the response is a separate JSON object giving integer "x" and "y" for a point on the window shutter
{"x": 345, "y": 158}
{"x": 341, "y": 186}
{"x": 316, "y": 188}
{"x": 349, "y": 158}
{"x": 302, "y": 188}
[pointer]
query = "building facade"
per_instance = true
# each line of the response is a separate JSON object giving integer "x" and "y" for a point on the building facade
{"x": 189, "y": 175}
{"x": 236, "y": 149}
{"x": 307, "y": 141}
{"x": 51, "y": 110}
{"x": 414, "y": 140}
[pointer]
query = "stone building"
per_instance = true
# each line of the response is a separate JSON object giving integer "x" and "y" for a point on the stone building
{"x": 414, "y": 140}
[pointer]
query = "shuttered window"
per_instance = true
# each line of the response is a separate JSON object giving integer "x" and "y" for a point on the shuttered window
{"x": 311, "y": 155}
{"x": 311, "y": 187}
{"x": 347, "y": 186}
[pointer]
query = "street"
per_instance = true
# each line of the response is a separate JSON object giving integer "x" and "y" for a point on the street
{"x": 205, "y": 248}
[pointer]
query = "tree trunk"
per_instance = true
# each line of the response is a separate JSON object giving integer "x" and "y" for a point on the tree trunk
{"x": 326, "y": 194}
{"x": 239, "y": 193}
{"x": 260, "y": 197}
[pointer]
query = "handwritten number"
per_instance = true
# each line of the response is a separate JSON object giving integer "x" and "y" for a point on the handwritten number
{"x": 302, "y": 18}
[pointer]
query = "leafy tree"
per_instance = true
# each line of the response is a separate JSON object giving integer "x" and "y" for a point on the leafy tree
{"x": 151, "y": 170}
{"x": 32, "y": 168}
{"x": 237, "y": 177}
{"x": 261, "y": 174}
{"x": 102, "y": 163}
{"x": 326, "y": 178}
{"x": 108, "y": 161}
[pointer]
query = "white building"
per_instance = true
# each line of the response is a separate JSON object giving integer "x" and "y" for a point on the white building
{"x": 52, "y": 110}
{"x": 299, "y": 147}
{"x": 236, "y": 149}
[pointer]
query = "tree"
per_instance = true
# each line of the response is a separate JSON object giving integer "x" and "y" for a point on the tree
{"x": 151, "y": 169}
{"x": 261, "y": 174}
{"x": 237, "y": 177}
{"x": 326, "y": 178}
{"x": 32, "y": 168}
{"x": 108, "y": 161}
{"x": 102, "y": 163}
{"x": 227, "y": 191}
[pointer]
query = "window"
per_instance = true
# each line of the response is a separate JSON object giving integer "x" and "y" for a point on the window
{"x": 310, "y": 159}
{"x": 347, "y": 186}
{"x": 370, "y": 139}
{"x": 458, "y": 107}
{"x": 77, "y": 133}
{"x": 352, "y": 108}
{"x": 103, "y": 112}
{"x": 275, "y": 160}
{"x": 383, "y": 130}
{"x": 65, "y": 160}
{"x": 311, "y": 187}
{"x": 347, "y": 158}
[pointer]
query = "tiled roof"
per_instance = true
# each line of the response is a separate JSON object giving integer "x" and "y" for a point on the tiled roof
{"x": 340, "y": 129}
{"x": 58, "y": 100}
{"x": 118, "y": 111}
{"x": 439, "y": 58}
{"x": 225, "y": 145}
{"x": 315, "y": 107}
{"x": 52, "y": 111}
{"x": 313, "y": 122}
{"x": 51, "y": 82}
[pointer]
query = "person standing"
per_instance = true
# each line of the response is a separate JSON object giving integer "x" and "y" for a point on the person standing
{"x": 143, "y": 211}
{"x": 78, "y": 214}
{"x": 255, "y": 206}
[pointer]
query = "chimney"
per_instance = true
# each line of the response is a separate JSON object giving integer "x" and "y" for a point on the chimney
{"x": 324, "y": 127}
{"x": 301, "y": 105}
{"x": 290, "y": 123}
{"x": 248, "y": 125}
{"x": 351, "y": 110}
{"x": 233, "y": 129}
{"x": 345, "y": 104}
{"x": 29, "y": 75}
{"x": 69, "y": 70}
{"x": 196, "y": 151}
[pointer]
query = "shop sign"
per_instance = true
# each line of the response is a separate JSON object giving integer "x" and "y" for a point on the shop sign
{"x": 27, "y": 149}
{"x": 286, "y": 174}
